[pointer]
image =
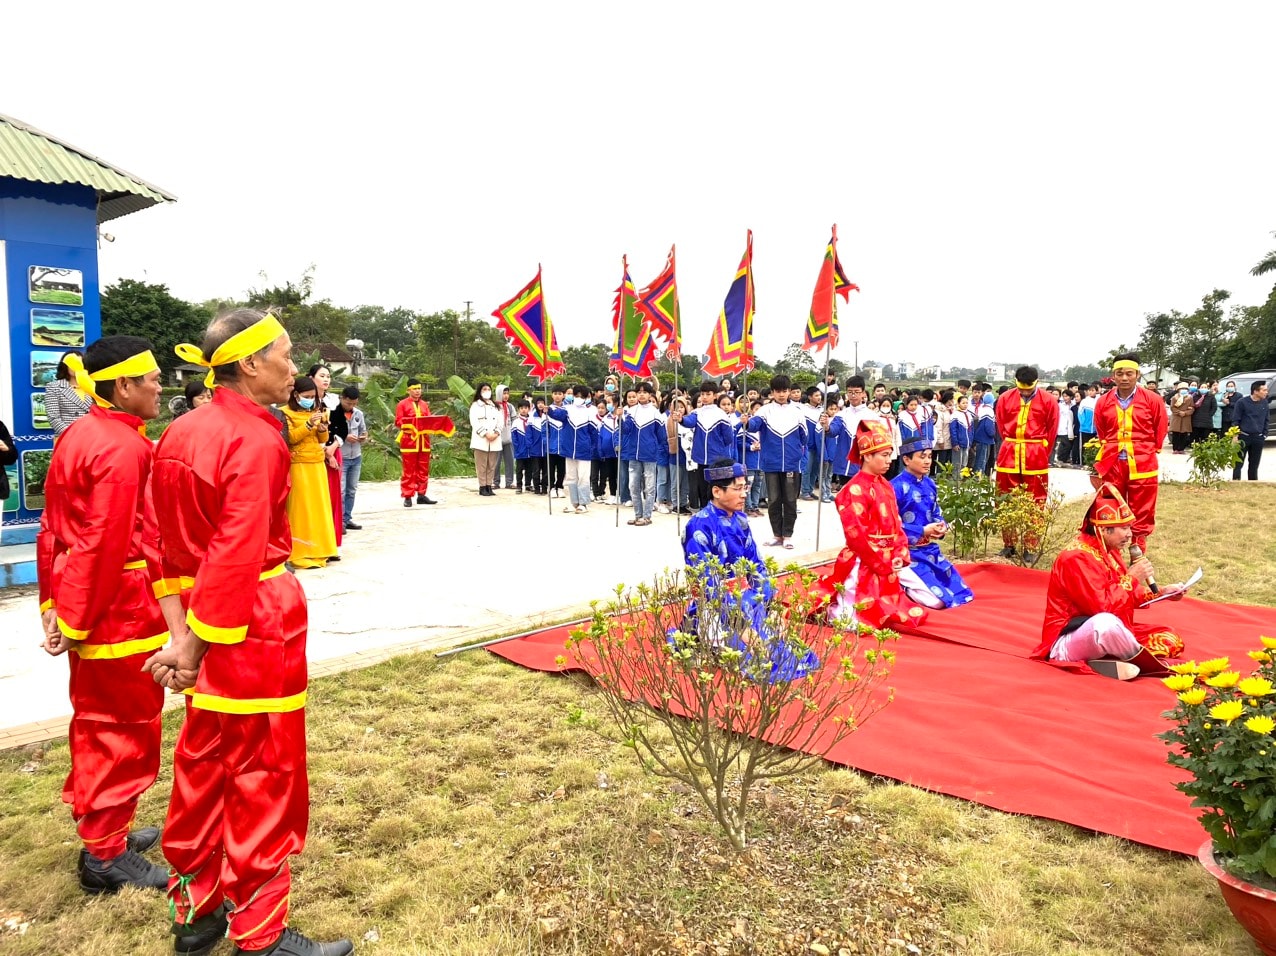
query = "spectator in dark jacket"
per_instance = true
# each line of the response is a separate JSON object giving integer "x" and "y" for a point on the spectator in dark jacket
{"x": 1204, "y": 404}
{"x": 1250, "y": 416}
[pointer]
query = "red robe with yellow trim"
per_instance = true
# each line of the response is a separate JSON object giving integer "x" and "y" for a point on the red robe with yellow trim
{"x": 97, "y": 559}
{"x": 1139, "y": 431}
{"x": 1086, "y": 580}
{"x": 875, "y": 537}
{"x": 240, "y": 803}
{"x": 1028, "y": 431}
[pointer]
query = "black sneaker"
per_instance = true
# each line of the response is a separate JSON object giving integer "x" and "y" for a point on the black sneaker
{"x": 1030, "y": 558}
{"x": 128, "y": 869}
{"x": 1006, "y": 553}
{"x": 407, "y": 502}
{"x": 292, "y": 943}
{"x": 425, "y": 500}
{"x": 202, "y": 935}
{"x": 351, "y": 526}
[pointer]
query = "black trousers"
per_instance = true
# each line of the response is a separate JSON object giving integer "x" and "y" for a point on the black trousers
{"x": 523, "y": 470}
{"x": 557, "y": 471}
{"x": 1251, "y": 448}
{"x": 698, "y": 489}
{"x": 602, "y": 478}
{"x": 782, "y": 494}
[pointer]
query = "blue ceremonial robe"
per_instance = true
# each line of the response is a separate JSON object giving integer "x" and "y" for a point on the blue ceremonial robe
{"x": 714, "y": 533}
{"x": 918, "y": 503}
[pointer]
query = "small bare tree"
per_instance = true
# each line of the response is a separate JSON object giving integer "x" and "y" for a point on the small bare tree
{"x": 750, "y": 685}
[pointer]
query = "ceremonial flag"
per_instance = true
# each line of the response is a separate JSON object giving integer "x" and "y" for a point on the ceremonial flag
{"x": 632, "y": 350}
{"x": 526, "y": 323}
{"x": 731, "y": 348}
{"x": 659, "y": 303}
{"x": 821, "y": 324}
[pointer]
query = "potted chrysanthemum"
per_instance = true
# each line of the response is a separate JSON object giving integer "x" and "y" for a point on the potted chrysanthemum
{"x": 1223, "y": 737}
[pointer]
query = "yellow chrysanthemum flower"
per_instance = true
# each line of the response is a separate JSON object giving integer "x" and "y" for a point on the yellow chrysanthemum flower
{"x": 1269, "y": 642}
{"x": 1193, "y": 697}
{"x": 1261, "y": 656}
{"x": 1225, "y": 679}
{"x": 1212, "y": 667}
{"x": 1256, "y": 687}
{"x": 1190, "y": 666}
{"x": 1261, "y": 725}
{"x": 1179, "y": 682}
{"x": 1227, "y": 711}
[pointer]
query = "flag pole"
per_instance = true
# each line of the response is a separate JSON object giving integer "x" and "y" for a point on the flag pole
{"x": 549, "y": 478}
{"x": 824, "y": 433}
{"x": 675, "y": 472}
{"x": 620, "y": 404}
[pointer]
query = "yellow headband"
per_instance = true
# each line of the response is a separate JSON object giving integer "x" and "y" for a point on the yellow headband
{"x": 239, "y": 346}
{"x": 135, "y": 366}
{"x": 1124, "y": 363}
{"x": 1026, "y": 384}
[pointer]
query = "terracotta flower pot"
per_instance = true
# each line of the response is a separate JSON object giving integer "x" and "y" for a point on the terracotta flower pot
{"x": 1253, "y": 906}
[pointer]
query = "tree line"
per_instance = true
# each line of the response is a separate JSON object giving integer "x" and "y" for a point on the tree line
{"x": 1214, "y": 339}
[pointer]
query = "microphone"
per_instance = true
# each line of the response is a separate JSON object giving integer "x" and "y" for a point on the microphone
{"x": 1135, "y": 553}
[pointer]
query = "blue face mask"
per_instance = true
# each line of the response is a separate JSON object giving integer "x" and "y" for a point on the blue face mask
{"x": 610, "y": 407}
{"x": 569, "y": 399}
{"x": 306, "y": 403}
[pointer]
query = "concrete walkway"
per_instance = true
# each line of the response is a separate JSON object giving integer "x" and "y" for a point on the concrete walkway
{"x": 425, "y": 578}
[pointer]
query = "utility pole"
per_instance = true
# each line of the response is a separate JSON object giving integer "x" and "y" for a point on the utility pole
{"x": 456, "y": 335}
{"x": 857, "y": 356}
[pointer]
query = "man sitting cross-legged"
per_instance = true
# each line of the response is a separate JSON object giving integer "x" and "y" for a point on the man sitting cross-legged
{"x": 930, "y": 579}
{"x": 1092, "y": 595}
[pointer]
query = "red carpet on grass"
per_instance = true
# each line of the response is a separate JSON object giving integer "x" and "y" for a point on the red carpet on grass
{"x": 973, "y": 717}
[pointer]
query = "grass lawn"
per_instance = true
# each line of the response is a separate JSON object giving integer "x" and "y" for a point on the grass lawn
{"x": 456, "y": 810}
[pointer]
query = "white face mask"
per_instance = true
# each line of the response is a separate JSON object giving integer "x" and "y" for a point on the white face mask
{"x": 485, "y": 393}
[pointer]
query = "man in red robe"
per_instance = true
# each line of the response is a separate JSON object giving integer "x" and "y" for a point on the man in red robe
{"x": 1131, "y": 422}
{"x": 1092, "y": 596}
{"x": 240, "y": 803}
{"x": 1028, "y": 423}
{"x": 868, "y": 568}
{"x": 414, "y": 446}
{"x": 97, "y": 558}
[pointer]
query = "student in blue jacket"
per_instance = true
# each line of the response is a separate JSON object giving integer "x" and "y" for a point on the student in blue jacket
{"x": 781, "y": 429}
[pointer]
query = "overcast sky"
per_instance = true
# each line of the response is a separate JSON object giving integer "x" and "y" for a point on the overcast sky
{"x": 1011, "y": 181}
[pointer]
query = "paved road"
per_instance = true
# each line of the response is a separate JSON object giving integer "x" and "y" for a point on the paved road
{"x": 429, "y": 575}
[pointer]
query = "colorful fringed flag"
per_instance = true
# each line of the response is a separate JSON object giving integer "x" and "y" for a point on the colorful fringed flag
{"x": 659, "y": 303}
{"x": 633, "y": 349}
{"x": 821, "y": 324}
{"x": 526, "y": 323}
{"x": 731, "y": 348}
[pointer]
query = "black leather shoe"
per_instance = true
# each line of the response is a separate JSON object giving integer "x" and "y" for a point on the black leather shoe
{"x": 425, "y": 500}
{"x": 1006, "y": 553}
{"x": 127, "y": 869}
{"x": 200, "y": 936}
{"x": 292, "y": 943}
{"x": 351, "y": 526}
{"x": 407, "y": 502}
{"x": 143, "y": 838}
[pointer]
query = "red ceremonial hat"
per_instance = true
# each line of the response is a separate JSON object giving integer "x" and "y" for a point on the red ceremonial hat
{"x": 1109, "y": 510}
{"x": 871, "y": 435}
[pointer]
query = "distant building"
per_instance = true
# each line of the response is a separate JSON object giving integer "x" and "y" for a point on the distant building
{"x": 996, "y": 371}
{"x": 871, "y": 373}
{"x": 904, "y": 370}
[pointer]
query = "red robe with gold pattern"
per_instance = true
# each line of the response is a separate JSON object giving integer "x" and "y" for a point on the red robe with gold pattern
{"x": 97, "y": 558}
{"x": 240, "y": 803}
{"x": 1138, "y": 431}
{"x": 1087, "y": 579}
{"x": 875, "y": 539}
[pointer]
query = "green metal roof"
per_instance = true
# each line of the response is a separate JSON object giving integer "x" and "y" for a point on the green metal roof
{"x": 30, "y": 154}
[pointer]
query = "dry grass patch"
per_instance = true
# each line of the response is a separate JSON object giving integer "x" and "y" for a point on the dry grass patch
{"x": 455, "y": 810}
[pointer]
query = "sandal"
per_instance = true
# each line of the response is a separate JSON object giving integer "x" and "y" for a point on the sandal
{"x": 633, "y": 521}
{"x": 774, "y": 543}
{"x": 788, "y": 545}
